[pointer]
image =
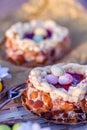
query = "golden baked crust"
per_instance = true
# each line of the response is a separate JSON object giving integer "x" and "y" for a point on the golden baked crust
{"x": 41, "y": 104}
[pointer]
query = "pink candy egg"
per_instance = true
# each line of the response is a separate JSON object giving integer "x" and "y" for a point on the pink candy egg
{"x": 65, "y": 79}
{"x": 51, "y": 79}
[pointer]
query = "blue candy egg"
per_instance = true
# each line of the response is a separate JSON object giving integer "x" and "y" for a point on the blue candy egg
{"x": 37, "y": 38}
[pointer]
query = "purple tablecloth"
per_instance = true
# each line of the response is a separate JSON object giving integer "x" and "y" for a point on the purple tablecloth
{"x": 7, "y": 6}
{"x": 83, "y": 2}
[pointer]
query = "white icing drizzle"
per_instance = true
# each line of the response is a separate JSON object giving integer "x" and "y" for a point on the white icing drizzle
{"x": 74, "y": 94}
{"x": 59, "y": 33}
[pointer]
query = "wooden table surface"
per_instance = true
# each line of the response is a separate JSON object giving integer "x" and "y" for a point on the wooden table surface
{"x": 75, "y": 18}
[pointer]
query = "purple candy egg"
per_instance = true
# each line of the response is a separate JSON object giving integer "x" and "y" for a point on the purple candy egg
{"x": 51, "y": 79}
{"x": 49, "y": 34}
{"x": 28, "y": 35}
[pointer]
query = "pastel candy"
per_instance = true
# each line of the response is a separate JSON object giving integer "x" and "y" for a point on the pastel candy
{"x": 57, "y": 71}
{"x": 50, "y": 24}
{"x": 37, "y": 38}
{"x": 51, "y": 79}
{"x": 16, "y": 126}
{"x": 4, "y": 127}
{"x": 65, "y": 79}
{"x": 1, "y": 87}
{"x": 40, "y": 31}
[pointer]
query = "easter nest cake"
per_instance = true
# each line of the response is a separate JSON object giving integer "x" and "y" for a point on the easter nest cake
{"x": 36, "y": 42}
{"x": 58, "y": 92}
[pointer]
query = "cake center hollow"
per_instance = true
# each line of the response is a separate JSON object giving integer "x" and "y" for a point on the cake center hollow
{"x": 64, "y": 81}
{"x": 38, "y": 36}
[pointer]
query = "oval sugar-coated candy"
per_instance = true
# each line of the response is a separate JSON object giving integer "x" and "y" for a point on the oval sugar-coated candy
{"x": 50, "y": 24}
{"x": 65, "y": 79}
{"x": 40, "y": 31}
{"x": 28, "y": 35}
{"x": 16, "y": 126}
{"x": 23, "y": 126}
{"x": 1, "y": 86}
{"x": 57, "y": 71}
{"x": 37, "y": 38}
{"x": 51, "y": 79}
{"x": 4, "y": 127}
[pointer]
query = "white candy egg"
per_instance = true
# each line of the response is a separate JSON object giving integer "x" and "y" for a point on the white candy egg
{"x": 40, "y": 31}
{"x": 65, "y": 79}
{"x": 57, "y": 71}
{"x": 50, "y": 24}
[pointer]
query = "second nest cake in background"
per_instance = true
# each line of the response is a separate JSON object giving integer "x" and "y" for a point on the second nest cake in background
{"x": 36, "y": 42}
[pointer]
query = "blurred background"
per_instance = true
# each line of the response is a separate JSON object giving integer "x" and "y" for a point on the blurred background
{"x": 8, "y": 6}
{"x": 69, "y": 13}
